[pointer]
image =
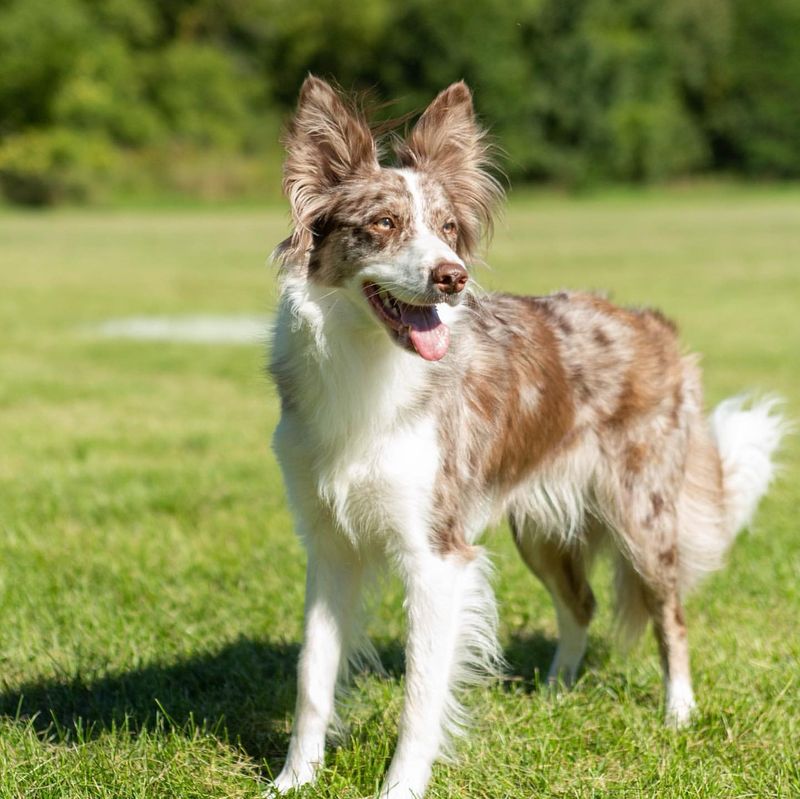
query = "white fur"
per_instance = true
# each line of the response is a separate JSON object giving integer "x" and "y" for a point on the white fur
{"x": 362, "y": 441}
{"x": 572, "y": 639}
{"x": 331, "y": 598}
{"x": 558, "y": 496}
{"x": 358, "y": 467}
{"x": 680, "y": 702}
{"x": 747, "y": 438}
{"x": 452, "y": 641}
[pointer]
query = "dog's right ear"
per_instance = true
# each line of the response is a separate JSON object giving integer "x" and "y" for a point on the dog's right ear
{"x": 326, "y": 143}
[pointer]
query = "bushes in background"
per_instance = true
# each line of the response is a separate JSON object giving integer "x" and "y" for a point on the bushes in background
{"x": 56, "y": 165}
{"x": 755, "y": 122}
{"x": 100, "y": 91}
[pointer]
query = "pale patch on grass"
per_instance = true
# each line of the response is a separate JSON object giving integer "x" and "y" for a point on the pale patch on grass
{"x": 204, "y": 329}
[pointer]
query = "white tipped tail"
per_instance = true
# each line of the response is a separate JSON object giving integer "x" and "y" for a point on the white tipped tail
{"x": 747, "y": 435}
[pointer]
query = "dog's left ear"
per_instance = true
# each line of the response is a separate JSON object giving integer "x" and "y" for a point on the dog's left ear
{"x": 448, "y": 142}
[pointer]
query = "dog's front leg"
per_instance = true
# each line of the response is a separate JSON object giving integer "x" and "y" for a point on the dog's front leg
{"x": 333, "y": 583}
{"x": 450, "y": 614}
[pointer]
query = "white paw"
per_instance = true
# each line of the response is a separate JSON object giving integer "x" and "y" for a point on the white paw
{"x": 397, "y": 791}
{"x": 563, "y": 673}
{"x": 288, "y": 780}
{"x": 567, "y": 660}
{"x": 411, "y": 785}
{"x": 680, "y": 704}
{"x": 560, "y": 677}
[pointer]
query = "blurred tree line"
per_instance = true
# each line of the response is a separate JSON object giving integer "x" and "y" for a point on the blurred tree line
{"x": 187, "y": 95}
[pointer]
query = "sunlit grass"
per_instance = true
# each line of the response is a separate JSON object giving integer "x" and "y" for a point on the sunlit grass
{"x": 151, "y": 585}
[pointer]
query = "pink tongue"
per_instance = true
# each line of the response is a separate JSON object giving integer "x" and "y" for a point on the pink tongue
{"x": 429, "y": 335}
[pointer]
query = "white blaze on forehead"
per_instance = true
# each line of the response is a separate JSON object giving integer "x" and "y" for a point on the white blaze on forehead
{"x": 436, "y": 248}
{"x": 418, "y": 203}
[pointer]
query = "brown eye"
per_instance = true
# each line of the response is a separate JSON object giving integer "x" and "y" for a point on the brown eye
{"x": 384, "y": 223}
{"x": 449, "y": 228}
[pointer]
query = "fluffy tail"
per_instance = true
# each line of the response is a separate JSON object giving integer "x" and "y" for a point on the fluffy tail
{"x": 747, "y": 434}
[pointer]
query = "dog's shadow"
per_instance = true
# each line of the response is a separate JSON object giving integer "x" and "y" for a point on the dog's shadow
{"x": 244, "y": 692}
{"x": 528, "y": 657}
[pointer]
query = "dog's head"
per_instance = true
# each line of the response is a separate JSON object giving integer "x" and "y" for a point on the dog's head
{"x": 399, "y": 238}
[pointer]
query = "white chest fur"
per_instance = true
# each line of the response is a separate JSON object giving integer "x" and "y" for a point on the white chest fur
{"x": 354, "y": 431}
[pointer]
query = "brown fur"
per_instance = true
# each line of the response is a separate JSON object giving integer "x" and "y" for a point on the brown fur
{"x": 351, "y": 230}
{"x": 448, "y": 145}
{"x": 562, "y": 569}
{"x": 326, "y": 143}
{"x": 531, "y": 363}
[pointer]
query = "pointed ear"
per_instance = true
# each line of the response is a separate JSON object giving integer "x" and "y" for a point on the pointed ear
{"x": 448, "y": 142}
{"x": 326, "y": 143}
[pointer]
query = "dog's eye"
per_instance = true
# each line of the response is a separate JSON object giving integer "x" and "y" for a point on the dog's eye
{"x": 384, "y": 223}
{"x": 449, "y": 228}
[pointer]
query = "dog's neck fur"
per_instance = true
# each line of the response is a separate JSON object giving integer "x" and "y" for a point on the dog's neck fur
{"x": 339, "y": 372}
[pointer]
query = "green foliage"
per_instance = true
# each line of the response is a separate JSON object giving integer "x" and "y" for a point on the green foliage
{"x": 39, "y": 42}
{"x": 53, "y": 166}
{"x": 758, "y": 119}
{"x": 343, "y": 41}
{"x": 575, "y": 91}
{"x": 134, "y": 21}
{"x": 200, "y": 95}
{"x": 106, "y": 92}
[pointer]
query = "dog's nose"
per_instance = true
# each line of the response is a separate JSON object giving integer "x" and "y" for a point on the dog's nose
{"x": 449, "y": 278}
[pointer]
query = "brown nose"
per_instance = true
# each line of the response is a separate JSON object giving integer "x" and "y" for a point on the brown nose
{"x": 449, "y": 278}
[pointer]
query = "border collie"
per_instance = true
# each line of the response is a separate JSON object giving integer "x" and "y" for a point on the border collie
{"x": 414, "y": 412}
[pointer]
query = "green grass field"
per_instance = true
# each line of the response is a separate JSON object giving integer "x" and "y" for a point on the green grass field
{"x": 151, "y": 584}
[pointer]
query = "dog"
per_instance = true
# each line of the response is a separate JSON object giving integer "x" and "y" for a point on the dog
{"x": 415, "y": 411}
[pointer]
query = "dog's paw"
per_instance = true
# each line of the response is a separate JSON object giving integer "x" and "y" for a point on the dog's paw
{"x": 561, "y": 681}
{"x": 678, "y": 718}
{"x": 288, "y": 780}
{"x": 397, "y": 792}
{"x": 680, "y": 705}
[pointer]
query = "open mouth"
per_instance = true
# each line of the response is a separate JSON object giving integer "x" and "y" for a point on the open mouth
{"x": 417, "y": 328}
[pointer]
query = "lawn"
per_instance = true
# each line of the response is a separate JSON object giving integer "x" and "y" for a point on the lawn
{"x": 151, "y": 585}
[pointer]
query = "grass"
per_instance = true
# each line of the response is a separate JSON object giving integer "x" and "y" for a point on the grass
{"x": 151, "y": 585}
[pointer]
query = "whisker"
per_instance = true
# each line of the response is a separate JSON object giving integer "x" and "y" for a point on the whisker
{"x": 476, "y": 284}
{"x": 325, "y": 296}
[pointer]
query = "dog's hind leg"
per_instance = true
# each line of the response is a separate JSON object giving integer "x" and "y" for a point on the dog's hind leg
{"x": 648, "y": 582}
{"x": 670, "y": 631}
{"x": 641, "y": 591}
{"x": 563, "y": 569}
